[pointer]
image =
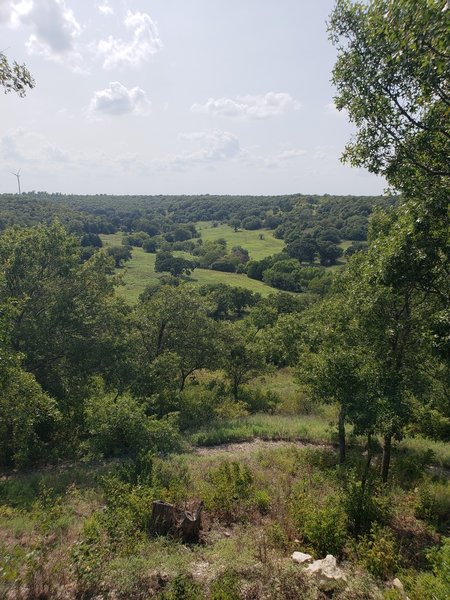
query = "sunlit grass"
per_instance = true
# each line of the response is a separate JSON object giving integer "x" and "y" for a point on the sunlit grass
{"x": 259, "y": 243}
{"x": 140, "y": 272}
{"x": 311, "y": 428}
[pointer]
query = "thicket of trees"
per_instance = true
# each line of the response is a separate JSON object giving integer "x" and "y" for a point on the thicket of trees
{"x": 84, "y": 374}
{"x": 80, "y": 367}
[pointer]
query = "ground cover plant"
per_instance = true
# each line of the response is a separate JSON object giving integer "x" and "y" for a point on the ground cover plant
{"x": 139, "y": 272}
{"x": 83, "y": 531}
{"x": 304, "y": 410}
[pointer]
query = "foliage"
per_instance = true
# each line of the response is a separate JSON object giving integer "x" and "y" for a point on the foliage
{"x": 363, "y": 504}
{"x": 183, "y": 588}
{"x": 15, "y": 77}
{"x": 172, "y": 325}
{"x": 229, "y": 491}
{"x": 391, "y": 77}
{"x": 66, "y": 323}
{"x": 119, "y": 425}
{"x": 323, "y": 527}
{"x": 29, "y": 418}
{"x": 226, "y": 587}
{"x": 175, "y": 265}
{"x": 120, "y": 254}
{"x": 241, "y": 357}
{"x": 433, "y": 504}
{"x": 378, "y": 552}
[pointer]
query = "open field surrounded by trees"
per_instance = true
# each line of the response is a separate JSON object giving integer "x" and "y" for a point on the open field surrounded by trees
{"x": 240, "y": 397}
{"x": 139, "y": 272}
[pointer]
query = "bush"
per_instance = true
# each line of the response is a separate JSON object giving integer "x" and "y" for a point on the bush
{"x": 362, "y": 506}
{"x": 183, "y": 587}
{"x": 410, "y": 466}
{"x": 224, "y": 265}
{"x": 262, "y": 501}
{"x": 229, "y": 491}
{"x": 378, "y": 552}
{"x": 322, "y": 528}
{"x": 434, "y": 504}
{"x": 29, "y": 418}
{"x": 150, "y": 245}
{"x": 197, "y": 407}
{"x": 120, "y": 426}
{"x": 226, "y": 587}
{"x": 260, "y": 401}
{"x": 277, "y": 537}
{"x": 171, "y": 479}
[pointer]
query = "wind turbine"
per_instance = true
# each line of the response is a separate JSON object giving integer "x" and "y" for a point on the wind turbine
{"x": 18, "y": 179}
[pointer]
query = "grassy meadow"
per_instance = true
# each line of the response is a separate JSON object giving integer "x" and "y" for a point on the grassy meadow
{"x": 250, "y": 240}
{"x": 140, "y": 270}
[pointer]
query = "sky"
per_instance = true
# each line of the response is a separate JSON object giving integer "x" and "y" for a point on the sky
{"x": 174, "y": 97}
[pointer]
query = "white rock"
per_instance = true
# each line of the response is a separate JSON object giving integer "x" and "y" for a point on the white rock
{"x": 327, "y": 575}
{"x": 398, "y": 585}
{"x": 301, "y": 558}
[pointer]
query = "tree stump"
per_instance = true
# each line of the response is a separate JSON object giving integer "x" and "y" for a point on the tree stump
{"x": 166, "y": 519}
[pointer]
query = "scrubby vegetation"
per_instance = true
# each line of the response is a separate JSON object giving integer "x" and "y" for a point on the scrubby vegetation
{"x": 312, "y": 419}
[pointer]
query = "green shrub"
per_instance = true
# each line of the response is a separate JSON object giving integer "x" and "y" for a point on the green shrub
{"x": 89, "y": 554}
{"x": 171, "y": 479}
{"x": 262, "y": 501}
{"x": 431, "y": 585}
{"x": 378, "y": 552}
{"x": 363, "y": 506}
{"x": 229, "y": 490}
{"x": 259, "y": 401}
{"x": 138, "y": 470}
{"x": 29, "y": 417}
{"x": 326, "y": 530}
{"x": 183, "y": 587}
{"x": 322, "y": 527}
{"x": 120, "y": 426}
{"x": 226, "y": 587}
{"x": 197, "y": 407}
{"x": 277, "y": 537}
{"x": 433, "y": 504}
{"x": 164, "y": 434}
{"x": 410, "y": 466}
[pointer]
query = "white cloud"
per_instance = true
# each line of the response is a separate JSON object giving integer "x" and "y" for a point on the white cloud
{"x": 289, "y": 154}
{"x": 54, "y": 28}
{"x": 21, "y": 146}
{"x": 271, "y": 161}
{"x": 105, "y": 8}
{"x": 143, "y": 44}
{"x": 6, "y": 11}
{"x": 264, "y": 106}
{"x": 215, "y": 145}
{"x": 55, "y": 154}
{"x": 118, "y": 100}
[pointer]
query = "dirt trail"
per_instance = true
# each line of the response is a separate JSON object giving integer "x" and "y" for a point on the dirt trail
{"x": 255, "y": 444}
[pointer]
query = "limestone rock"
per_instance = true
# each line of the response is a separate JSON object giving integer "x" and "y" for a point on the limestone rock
{"x": 398, "y": 585}
{"x": 326, "y": 574}
{"x": 301, "y": 558}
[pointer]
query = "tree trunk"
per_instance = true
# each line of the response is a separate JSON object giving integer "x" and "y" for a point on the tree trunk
{"x": 367, "y": 465}
{"x": 341, "y": 430}
{"x": 387, "y": 446}
{"x": 183, "y": 378}
{"x": 235, "y": 388}
{"x": 166, "y": 519}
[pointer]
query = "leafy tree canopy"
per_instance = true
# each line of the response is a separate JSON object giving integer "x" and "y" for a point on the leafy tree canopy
{"x": 14, "y": 77}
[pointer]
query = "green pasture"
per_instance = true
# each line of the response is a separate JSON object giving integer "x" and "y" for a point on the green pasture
{"x": 250, "y": 240}
{"x": 140, "y": 272}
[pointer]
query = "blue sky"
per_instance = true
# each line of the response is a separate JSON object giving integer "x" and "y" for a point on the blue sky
{"x": 174, "y": 97}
